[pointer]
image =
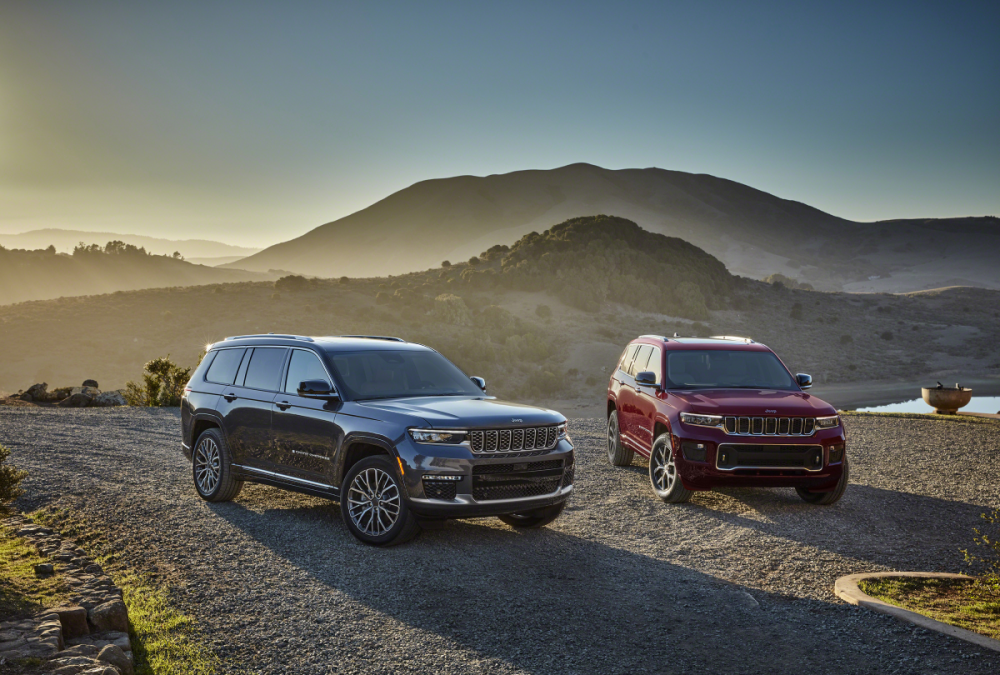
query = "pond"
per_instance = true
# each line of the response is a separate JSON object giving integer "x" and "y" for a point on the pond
{"x": 978, "y": 404}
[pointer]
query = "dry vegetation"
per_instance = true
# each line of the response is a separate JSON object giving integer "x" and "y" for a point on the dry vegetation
{"x": 543, "y": 319}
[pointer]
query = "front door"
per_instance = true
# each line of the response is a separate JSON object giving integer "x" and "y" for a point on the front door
{"x": 306, "y": 433}
{"x": 646, "y": 397}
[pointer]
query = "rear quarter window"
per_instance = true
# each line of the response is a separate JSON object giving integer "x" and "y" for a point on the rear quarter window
{"x": 224, "y": 367}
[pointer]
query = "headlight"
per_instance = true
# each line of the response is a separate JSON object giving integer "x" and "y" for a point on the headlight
{"x": 562, "y": 430}
{"x": 828, "y": 422}
{"x": 433, "y": 436}
{"x": 701, "y": 420}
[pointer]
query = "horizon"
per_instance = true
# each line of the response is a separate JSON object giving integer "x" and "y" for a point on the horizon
{"x": 254, "y": 127}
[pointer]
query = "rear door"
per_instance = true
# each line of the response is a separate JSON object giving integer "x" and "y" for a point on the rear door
{"x": 246, "y": 406}
{"x": 306, "y": 433}
{"x": 628, "y": 408}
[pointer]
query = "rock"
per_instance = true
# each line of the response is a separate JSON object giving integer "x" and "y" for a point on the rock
{"x": 44, "y": 568}
{"x": 110, "y": 616}
{"x": 114, "y": 655}
{"x": 91, "y": 383}
{"x": 74, "y": 621}
{"x": 27, "y": 397}
{"x": 77, "y": 400}
{"x": 80, "y": 650}
{"x": 109, "y": 399}
{"x": 93, "y": 568}
{"x": 36, "y": 391}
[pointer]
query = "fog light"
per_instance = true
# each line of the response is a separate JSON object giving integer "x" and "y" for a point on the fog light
{"x": 836, "y": 453}
{"x": 694, "y": 451}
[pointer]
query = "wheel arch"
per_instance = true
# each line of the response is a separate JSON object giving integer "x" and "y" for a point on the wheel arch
{"x": 355, "y": 448}
{"x": 199, "y": 424}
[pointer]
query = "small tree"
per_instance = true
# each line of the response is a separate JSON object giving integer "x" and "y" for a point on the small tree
{"x": 10, "y": 480}
{"x": 162, "y": 384}
{"x": 446, "y": 263}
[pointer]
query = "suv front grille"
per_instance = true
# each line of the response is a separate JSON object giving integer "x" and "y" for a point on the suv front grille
{"x": 514, "y": 440}
{"x": 770, "y": 426}
{"x": 516, "y": 481}
{"x": 731, "y": 456}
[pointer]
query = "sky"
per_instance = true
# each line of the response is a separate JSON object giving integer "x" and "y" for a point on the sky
{"x": 252, "y": 123}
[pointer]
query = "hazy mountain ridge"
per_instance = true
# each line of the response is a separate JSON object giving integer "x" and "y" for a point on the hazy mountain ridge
{"x": 43, "y": 274}
{"x": 66, "y": 240}
{"x": 754, "y": 233}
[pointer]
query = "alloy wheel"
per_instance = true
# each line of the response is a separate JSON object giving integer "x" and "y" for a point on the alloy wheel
{"x": 207, "y": 466}
{"x": 612, "y": 437}
{"x": 373, "y": 502}
{"x": 664, "y": 470}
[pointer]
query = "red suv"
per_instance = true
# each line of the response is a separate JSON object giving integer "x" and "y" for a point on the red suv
{"x": 722, "y": 411}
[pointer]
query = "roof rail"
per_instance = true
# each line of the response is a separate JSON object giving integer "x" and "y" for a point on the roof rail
{"x": 272, "y": 335}
{"x": 733, "y": 338}
{"x": 657, "y": 337}
{"x": 374, "y": 337}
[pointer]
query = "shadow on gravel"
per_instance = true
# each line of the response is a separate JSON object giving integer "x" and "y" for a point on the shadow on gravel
{"x": 544, "y": 601}
{"x": 885, "y": 527}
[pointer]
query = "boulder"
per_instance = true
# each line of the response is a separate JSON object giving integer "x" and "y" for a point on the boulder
{"x": 111, "y": 616}
{"x": 36, "y": 392}
{"x": 77, "y": 400}
{"x": 109, "y": 399}
{"x": 114, "y": 655}
{"x": 74, "y": 621}
{"x": 91, "y": 383}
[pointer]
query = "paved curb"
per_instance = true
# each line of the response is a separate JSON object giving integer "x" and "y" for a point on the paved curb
{"x": 847, "y": 590}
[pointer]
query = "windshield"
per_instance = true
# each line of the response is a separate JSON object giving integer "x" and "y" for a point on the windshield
{"x": 727, "y": 370}
{"x": 388, "y": 374}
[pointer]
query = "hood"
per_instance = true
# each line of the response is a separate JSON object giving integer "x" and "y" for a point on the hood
{"x": 751, "y": 402}
{"x": 460, "y": 412}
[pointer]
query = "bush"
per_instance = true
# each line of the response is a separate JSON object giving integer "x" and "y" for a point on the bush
{"x": 345, "y": 280}
{"x": 10, "y": 480}
{"x": 990, "y": 543}
{"x": 796, "y": 312}
{"x": 474, "y": 260}
{"x": 445, "y": 263}
{"x": 544, "y": 311}
{"x": 162, "y": 384}
{"x": 294, "y": 282}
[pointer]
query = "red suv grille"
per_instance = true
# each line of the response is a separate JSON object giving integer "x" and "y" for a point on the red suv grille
{"x": 770, "y": 426}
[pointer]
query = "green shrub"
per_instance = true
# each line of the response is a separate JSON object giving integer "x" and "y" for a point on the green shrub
{"x": 989, "y": 542}
{"x": 445, "y": 263}
{"x": 544, "y": 311}
{"x": 474, "y": 260}
{"x": 294, "y": 282}
{"x": 10, "y": 480}
{"x": 162, "y": 384}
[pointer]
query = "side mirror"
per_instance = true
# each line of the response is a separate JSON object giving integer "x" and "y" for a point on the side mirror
{"x": 480, "y": 382}
{"x": 646, "y": 378}
{"x": 804, "y": 381}
{"x": 316, "y": 389}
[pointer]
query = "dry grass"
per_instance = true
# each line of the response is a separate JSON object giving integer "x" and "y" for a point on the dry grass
{"x": 961, "y": 603}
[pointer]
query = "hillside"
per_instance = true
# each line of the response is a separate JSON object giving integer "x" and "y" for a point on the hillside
{"x": 66, "y": 240}
{"x": 543, "y": 319}
{"x": 42, "y": 274}
{"x": 754, "y": 233}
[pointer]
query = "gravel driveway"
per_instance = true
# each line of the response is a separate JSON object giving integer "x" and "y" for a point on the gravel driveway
{"x": 737, "y": 581}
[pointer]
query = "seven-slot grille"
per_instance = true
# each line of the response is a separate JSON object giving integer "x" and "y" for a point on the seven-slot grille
{"x": 514, "y": 440}
{"x": 770, "y": 426}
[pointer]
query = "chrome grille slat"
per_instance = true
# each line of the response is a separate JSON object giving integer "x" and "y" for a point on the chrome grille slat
{"x": 769, "y": 426}
{"x": 513, "y": 440}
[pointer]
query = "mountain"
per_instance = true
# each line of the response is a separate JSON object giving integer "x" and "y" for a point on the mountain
{"x": 754, "y": 233}
{"x": 42, "y": 274}
{"x": 66, "y": 240}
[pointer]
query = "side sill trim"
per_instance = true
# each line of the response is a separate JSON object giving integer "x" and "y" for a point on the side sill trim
{"x": 281, "y": 476}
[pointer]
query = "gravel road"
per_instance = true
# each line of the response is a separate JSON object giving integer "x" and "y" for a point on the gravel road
{"x": 736, "y": 581}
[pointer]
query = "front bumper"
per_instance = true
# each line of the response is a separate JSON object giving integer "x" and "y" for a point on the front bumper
{"x": 480, "y": 485}
{"x": 815, "y": 462}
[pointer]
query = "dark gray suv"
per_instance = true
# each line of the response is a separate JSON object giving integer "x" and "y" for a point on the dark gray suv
{"x": 391, "y": 429}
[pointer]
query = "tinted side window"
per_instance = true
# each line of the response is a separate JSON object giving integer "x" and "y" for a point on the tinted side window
{"x": 224, "y": 367}
{"x": 265, "y": 368}
{"x": 655, "y": 364}
{"x": 641, "y": 357}
{"x": 303, "y": 366}
{"x": 629, "y": 355}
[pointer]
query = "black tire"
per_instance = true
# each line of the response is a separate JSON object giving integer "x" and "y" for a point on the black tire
{"x": 212, "y": 468}
{"x": 618, "y": 453}
{"x": 827, "y": 498}
{"x": 663, "y": 474}
{"x": 534, "y": 518}
{"x": 373, "y": 503}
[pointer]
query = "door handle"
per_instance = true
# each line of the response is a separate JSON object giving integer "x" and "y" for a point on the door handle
{"x": 230, "y": 397}
{"x": 284, "y": 405}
